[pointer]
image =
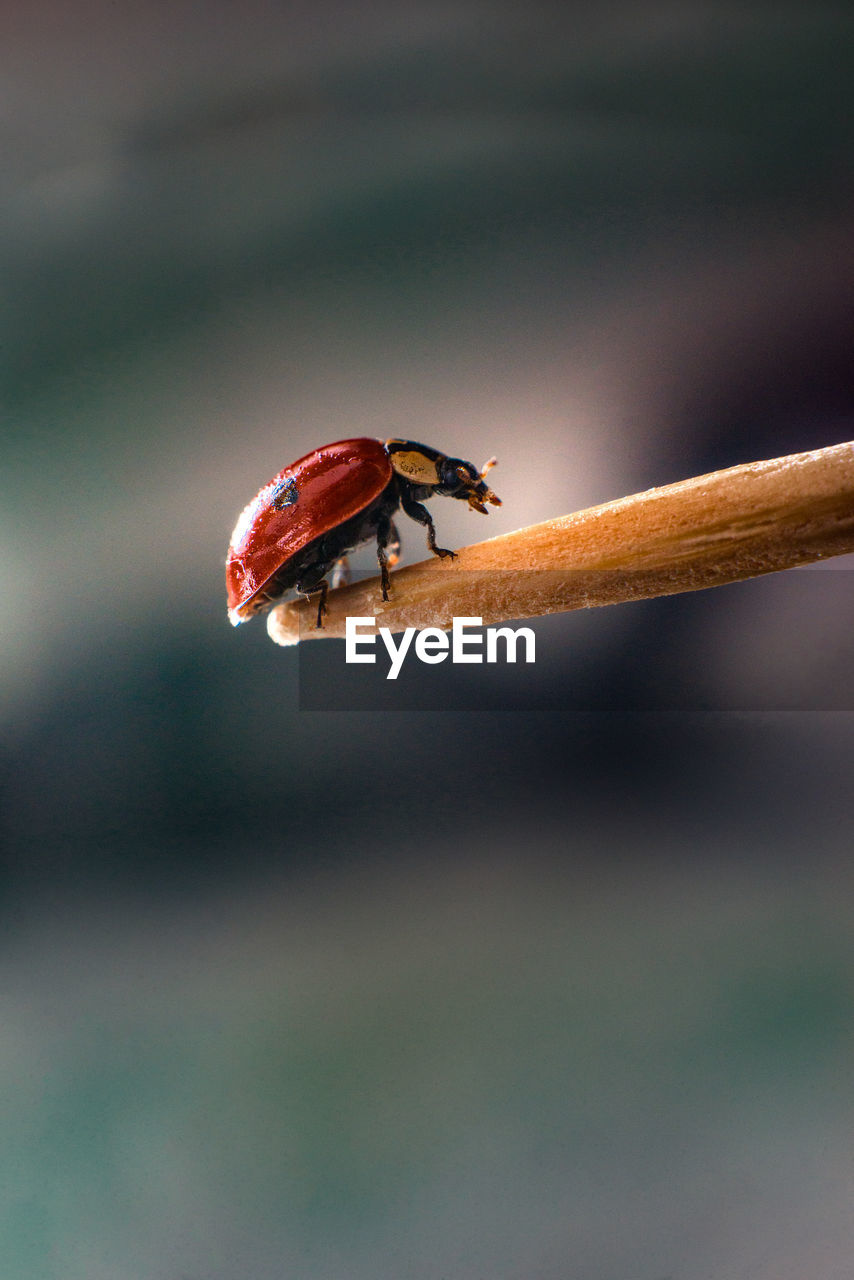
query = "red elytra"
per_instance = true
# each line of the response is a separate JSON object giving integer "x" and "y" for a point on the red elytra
{"x": 334, "y": 483}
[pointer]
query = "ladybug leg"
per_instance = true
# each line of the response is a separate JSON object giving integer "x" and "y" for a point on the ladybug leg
{"x": 393, "y": 546}
{"x": 388, "y": 548}
{"x": 340, "y": 572}
{"x": 417, "y": 512}
{"x": 308, "y": 589}
{"x": 321, "y": 604}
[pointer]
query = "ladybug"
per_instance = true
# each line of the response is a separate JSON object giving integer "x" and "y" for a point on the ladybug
{"x": 301, "y": 524}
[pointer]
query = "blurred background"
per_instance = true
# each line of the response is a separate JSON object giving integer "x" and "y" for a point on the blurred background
{"x": 555, "y": 979}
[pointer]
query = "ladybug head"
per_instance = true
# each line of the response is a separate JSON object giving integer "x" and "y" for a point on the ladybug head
{"x": 459, "y": 479}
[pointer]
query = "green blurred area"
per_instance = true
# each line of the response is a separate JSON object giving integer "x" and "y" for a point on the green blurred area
{"x": 479, "y": 1069}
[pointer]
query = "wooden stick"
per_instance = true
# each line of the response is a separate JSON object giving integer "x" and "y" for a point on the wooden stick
{"x": 704, "y": 532}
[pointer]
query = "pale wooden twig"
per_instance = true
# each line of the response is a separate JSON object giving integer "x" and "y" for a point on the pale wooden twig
{"x": 748, "y": 520}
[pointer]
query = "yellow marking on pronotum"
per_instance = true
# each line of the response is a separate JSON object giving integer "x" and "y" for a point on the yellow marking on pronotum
{"x": 415, "y": 466}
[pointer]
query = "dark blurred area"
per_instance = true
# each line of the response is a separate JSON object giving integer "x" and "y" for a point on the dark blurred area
{"x": 552, "y": 978}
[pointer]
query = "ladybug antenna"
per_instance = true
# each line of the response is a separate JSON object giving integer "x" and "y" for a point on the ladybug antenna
{"x": 489, "y": 496}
